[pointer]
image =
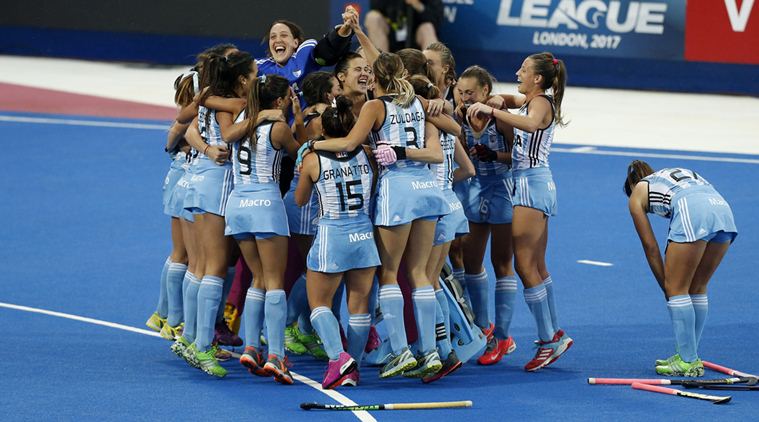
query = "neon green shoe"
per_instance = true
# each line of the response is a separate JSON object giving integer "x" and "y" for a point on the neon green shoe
{"x": 292, "y": 343}
{"x": 680, "y": 368}
{"x": 190, "y": 355}
{"x": 665, "y": 362}
{"x": 171, "y": 333}
{"x": 179, "y": 346}
{"x": 208, "y": 363}
{"x": 155, "y": 322}
{"x": 313, "y": 344}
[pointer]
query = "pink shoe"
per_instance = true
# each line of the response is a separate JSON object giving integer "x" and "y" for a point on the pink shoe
{"x": 374, "y": 341}
{"x": 350, "y": 380}
{"x": 337, "y": 370}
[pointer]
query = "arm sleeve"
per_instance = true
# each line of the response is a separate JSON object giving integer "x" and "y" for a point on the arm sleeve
{"x": 433, "y": 12}
{"x": 331, "y": 47}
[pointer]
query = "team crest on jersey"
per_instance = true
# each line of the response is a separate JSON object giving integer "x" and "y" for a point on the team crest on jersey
{"x": 297, "y": 73}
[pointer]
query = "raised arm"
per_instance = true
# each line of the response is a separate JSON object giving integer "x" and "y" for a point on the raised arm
{"x": 638, "y": 204}
{"x": 229, "y": 105}
{"x": 336, "y": 42}
{"x": 538, "y": 116}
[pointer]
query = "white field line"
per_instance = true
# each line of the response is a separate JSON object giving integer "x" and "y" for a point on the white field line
{"x": 596, "y": 263}
{"x": 592, "y": 150}
{"x": 361, "y": 415}
{"x": 75, "y": 122}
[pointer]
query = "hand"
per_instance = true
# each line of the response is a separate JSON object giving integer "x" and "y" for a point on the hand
{"x": 496, "y": 101}
{"x": 349, "y": 15}
{"x": 485, "y": 154}
{"x": 304, "y": 150}
{"x": 435, "y": 107}
{"x": 218, "y": 154}
{"x": 353, "y": 22}
{"x": 385, "y": 155}
{"x": 479, "y": 108}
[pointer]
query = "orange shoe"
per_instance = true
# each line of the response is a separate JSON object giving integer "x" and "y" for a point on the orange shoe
{"x": 253, "y": 360}
{"x": 277, "y": 368}
{"x": 496, "y": 349}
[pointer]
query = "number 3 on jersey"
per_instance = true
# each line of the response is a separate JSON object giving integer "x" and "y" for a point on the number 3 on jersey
{"x": 345, "y": 190}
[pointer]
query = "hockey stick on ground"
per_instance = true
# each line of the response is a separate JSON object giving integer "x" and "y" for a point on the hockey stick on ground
{"x": 664, "y": 381}
{"x": 726, "y": 370}
{"x": 734, "y": 387}
{"x": 672, "y": 391}
{"x": 388, "y": 406}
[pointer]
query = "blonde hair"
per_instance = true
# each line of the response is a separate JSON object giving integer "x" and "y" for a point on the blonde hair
{"x": 388, "y": 73}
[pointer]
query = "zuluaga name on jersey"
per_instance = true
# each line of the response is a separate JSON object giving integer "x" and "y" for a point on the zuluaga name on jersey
{"x": 407, "y": 117}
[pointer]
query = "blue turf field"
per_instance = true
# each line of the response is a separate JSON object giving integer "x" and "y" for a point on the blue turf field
{"x": 83, "y": 234}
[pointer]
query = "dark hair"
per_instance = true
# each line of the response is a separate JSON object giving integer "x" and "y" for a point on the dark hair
{"x": 424, "y": 87}
{"x": 265, "y": 91}
{"x": 446, "y": 58}
{"x": 415, "y": 62}
{"x": 338, "y": 121}
{"x": 342, "y": 64}
{"x": 636, "y": 171}
{"x": 217, "y": 50}
{"x": 483, "y": 77}
{"x": 220, "y": 73}
{"x": 294, "y": 29}
{"x": 316, "y": 86}
{"x": 184, "y": 88}
{"x": 388, "y": 73}
{"x": 554, "y": 74}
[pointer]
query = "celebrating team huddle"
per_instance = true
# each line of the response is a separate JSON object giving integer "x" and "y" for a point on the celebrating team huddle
{"x": 399, "y": 167}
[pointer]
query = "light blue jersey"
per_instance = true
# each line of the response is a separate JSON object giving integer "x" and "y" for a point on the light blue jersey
{"x": 403, "y": 127}
{"x": 256, "y": 160}
{"x": 209, "y": 129}
{"x": 444, "y": 170}
{"x": 531, "y": 149}
{"x": 494, "y": 140}
{"x": 665, "y": 184}
{"x": 344, "y": 186}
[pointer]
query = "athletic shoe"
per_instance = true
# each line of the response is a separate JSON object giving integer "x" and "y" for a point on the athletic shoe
{"x": 373, "y": 341}
{"x": 179, "y": 346}
{"x": 232, "y": 317}
{"x": 220, "y": 354}
{"x": 426, "y": 365}
{"x": 450, "y": 364}
{"x": 190, "y": 355}
{"x": 155, "y": 322}
{"x": 277, "y": 368}
{"x": 291, "y": 340}
{"x": 313, "y": 344}
{"x": 252, "y": 359}
{"x": 496, "y": 349}
{"x": 171, "y": 333}
{"x": 350, "y": 380}
{"x": 224, "y": 336}
{"x": 680, "y": 368}
{"x": 398, "y": 364}
{"x": 207, "y": 363}
{"x": 337, "y": 370}
{"x": 549, "y": 352}
{"x": 664, "y": 362}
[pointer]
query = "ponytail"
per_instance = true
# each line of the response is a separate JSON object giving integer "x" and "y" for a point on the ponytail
{"x": 389, "y": 72}
{"x": 424, "y": 87}
{"x": 338, "y": 120}
{"x": 554, "y": 73}
{"x": 636, "y": 171}
{"x": 265, "y": 91}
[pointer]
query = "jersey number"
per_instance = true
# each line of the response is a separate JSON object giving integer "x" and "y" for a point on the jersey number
{"x": 243, "y": 157}
{"x": 676, "y": 178}
{"x": 350, "y": 195}
{"x": 411, "y": 137}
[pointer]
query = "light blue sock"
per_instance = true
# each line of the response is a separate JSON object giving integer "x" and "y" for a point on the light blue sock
{"x": 477, "y": 284}
{"x": 325, "y": 323}
{"x": 297, "y": 301}
{"x": 163, "y": 302}
{"x": 505, "y": 292}
{"x": 548, "y": 283}
{"x": 424, "y": 313}
{"x": 209, "y": 298}
{"x": 358, "y": 334}
{"x": 442, "y": 299}
{"x": 442, "y": 339}
{"x": 228, "y": 281}
{"x": 701, "y": 309}
{"x": 538, "y": 304}
{"x": 174, "y": 281}
{"x": 275, "y": 312}
{"x": 254, "y": 316}
{"x": 391, "y": 303}
{"x": 684, "y": 324}
{"x": 458, "y": 274}
{"x": 190, "y": 305}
